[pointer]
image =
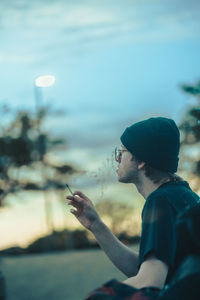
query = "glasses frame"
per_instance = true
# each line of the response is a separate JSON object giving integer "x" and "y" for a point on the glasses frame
{"x": 118, "y": 154}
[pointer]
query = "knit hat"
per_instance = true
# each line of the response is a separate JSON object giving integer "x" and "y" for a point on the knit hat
{"x": 155, "y": 141}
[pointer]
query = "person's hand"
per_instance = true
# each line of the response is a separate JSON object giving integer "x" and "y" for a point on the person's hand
{"x": 85, "y": 211}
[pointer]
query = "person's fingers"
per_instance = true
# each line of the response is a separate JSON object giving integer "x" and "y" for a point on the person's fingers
{"x": 73, "y": 203}
{"x": 74, "y": 212}
{"x": 79, "y": 193}
{"x": 75, "y": 198}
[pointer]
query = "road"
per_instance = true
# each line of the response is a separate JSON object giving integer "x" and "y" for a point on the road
{"x": 57, "y": 276}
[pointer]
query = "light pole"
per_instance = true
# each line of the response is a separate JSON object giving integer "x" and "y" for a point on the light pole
{"x": 40, "y": 83}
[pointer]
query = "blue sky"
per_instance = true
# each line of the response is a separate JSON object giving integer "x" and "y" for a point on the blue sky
{"x": 132, "y": 52}
{"x": 115, "y": 62}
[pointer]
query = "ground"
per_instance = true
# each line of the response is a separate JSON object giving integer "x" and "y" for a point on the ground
{"x": 57, "y": 276}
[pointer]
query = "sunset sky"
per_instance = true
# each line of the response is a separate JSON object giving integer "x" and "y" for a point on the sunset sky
{"x": 115, "y": 63}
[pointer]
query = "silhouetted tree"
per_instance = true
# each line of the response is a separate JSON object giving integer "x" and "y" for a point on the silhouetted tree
{"x": 24, "y": 161}
{"x": 190, "y": 128}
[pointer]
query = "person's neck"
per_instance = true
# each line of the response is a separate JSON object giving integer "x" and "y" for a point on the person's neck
{"x": 145, "y": 187}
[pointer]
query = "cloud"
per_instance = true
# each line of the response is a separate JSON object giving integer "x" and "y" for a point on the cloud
{"x": 67, "y": 27}
{"x": 16, "y": 58}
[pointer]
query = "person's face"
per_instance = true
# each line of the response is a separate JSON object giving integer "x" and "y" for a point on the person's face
{"x": 127, "y": 169}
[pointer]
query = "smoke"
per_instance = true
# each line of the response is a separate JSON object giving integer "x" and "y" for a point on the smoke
{"x": 104, "y": 175}
{"x": 99, "y": 179}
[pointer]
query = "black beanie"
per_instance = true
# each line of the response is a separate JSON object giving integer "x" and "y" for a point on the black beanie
{"x": 155, "y": 141}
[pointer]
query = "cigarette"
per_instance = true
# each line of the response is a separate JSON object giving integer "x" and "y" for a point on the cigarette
{"x": 69, "y": 189}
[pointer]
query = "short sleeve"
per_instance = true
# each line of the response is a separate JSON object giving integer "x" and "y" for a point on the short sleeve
{"x": 158, "y": 231}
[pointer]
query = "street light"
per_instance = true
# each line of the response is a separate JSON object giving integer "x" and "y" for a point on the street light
{"x": 45, "y": 80}
{"x": 40, "y": 83}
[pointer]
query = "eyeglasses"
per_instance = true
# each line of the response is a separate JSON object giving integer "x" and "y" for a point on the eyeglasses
{"x": 118, "y": 154}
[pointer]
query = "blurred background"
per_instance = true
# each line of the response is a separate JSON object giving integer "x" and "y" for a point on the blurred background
{"x": 74, "y": 75}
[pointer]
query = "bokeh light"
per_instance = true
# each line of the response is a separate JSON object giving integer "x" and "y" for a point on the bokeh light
{"x": 45, "y": 80}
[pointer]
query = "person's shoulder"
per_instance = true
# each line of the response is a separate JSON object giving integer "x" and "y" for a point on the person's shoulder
{"x": 174, "y": 195}
{"x": 157, "y": 197}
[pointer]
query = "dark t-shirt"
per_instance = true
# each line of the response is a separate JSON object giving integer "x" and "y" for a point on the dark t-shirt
{"x": 158, "y": 222}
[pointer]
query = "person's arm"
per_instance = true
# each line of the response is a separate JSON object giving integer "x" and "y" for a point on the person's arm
{"x": 157, "y": 245}
{"x": 152, "y": 273}
{"x": 122, "y": 257}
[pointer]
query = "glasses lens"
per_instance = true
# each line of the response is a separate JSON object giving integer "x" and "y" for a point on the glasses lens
{"x": 117, "y": 154}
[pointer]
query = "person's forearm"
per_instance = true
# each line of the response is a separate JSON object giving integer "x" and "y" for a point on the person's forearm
{"x": 123, "y": 258}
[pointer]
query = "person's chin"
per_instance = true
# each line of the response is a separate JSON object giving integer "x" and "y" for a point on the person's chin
{"x": 122, "y": 179}
{"x": 125, "y": 179}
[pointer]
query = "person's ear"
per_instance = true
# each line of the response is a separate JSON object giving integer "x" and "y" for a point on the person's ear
{"x": 141, "y": 165}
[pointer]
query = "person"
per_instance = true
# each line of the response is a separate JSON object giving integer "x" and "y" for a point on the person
{"x": 148, "y": 158}
{"x": 184, "y": 284}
